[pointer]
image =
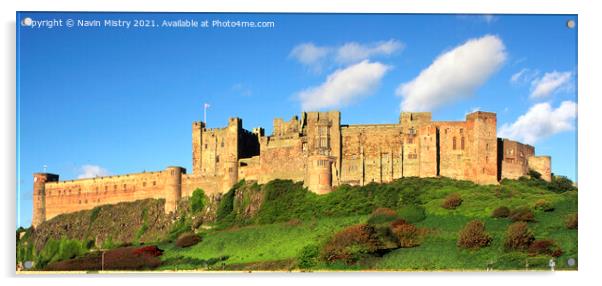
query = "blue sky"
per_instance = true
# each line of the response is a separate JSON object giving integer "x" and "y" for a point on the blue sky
{"x": 101, "y": 100}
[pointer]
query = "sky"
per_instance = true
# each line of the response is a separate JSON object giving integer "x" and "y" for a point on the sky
{"x": 108, "y": 100}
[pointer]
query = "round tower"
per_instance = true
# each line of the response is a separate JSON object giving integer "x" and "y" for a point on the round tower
{"x": 319, "y": 174}
{"x": 39, "y": 196}
{"x": 230, "y": 175}
{"x": 173, "y": 187}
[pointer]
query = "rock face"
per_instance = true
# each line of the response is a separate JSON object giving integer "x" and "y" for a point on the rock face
{"x": 143, "y": 220}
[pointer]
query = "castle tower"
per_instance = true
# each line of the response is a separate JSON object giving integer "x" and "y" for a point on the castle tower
{"x": 230, "y": 174}
{"x": 483, "y": 154}
{"x": 197, "y": 129}
{"x": 319, "y": 174}
{"x": 39, "y": 196}
{"x": 173, "y": 187}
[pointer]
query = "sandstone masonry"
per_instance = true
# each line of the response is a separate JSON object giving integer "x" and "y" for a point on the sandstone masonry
{"x": 315, "y": 149}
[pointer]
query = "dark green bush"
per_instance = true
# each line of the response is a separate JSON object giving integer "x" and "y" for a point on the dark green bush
{"x": 382, "y": 215}
{"x": 543, "y": 205}
{"x": 181, "y": 226}
{"x": 226, "y": 204}
{"x": 561, "y": 184}
{"x": 197, "y": 201}
{"x": 308, "y": 257}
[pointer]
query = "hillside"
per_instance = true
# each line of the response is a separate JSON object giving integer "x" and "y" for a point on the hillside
{"x": 282, "y": 226}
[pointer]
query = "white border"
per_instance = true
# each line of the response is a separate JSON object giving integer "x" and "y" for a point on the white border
{"x": 589, "y": 94}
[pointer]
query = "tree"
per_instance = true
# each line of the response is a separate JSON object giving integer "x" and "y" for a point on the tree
{"x": 197, "y": 201}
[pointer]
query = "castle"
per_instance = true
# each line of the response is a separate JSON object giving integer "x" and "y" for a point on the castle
{"x": 315, "y": 149}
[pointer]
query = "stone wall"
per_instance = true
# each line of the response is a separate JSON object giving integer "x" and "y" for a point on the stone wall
{"x": 543, "y": 165}
{"x": 515, "y": 159}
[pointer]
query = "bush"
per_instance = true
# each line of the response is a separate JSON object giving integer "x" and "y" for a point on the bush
{"x": 351, "y": 244}
{"x": 473, "y": 235}
{"x": 132, "y": 258}
{"x": 412, "y": 213}
{"x": 534, "y": 174}
{"x": 522, "y": 214}
{"x": 382, "y": 215}
{"x": 500, "y": 212}
{"x": 561, "y": 184}
{"x": 308, "y": 256}
{"x": 452, "y": 201}
{"x": 57, "y": 250}
{"x": 187, "y": 239}
{"x": 543, "y": 205}
{"x": 518, "y": 236}
{"x": 571, "y": 221}
{"x": 410, "y": 196}
{"x": 197, "y": 200}
{"x": 407, "y": 234}
{"x": 544, "y": 247}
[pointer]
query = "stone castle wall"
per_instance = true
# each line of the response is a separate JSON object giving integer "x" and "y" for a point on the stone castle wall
{"x": 315, "y": 149}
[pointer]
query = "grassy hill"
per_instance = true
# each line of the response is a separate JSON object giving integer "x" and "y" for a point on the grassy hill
{"x": 277, "y": 226}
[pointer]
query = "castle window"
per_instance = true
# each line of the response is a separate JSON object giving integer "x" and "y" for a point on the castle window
{"x": 124, "y": 186}
{"x": 410, "y": 140}
{"x": 222, "y": 143}
{"x": 487, "y": 146}
{"x": 461, "y": 130}
{"x": 144, "y": 184}
{"x": 86, "y": 201}
{"x": 462, "y": 143}
{"x": 454, "y": 143}
{"x": 154, "y": 183}
{"x": 205, "y": 146}
{"x": 217, "y": 159}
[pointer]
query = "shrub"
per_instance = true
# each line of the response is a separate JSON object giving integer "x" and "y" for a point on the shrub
{"x": 534, "y": 174}
{"x": 407, "y": 234}
{"x": 473, "y": 235}
{"x": 308, "y": 256}
{"x": 94, "y": 214}
{"x": 561, "y": 184}
{"x": 382, "y": 215}
{"x": 452, "y": 201}
{"x": 412, "y": 213}
{"x": 197, "y": 200}
{"x": 545, "y": 247}
{"x": 518, "y": 236}
{"x": 132, "y": 258}
{"x": 500, "y": 212}
{"x": 571, "y": 221}
{"x": 410, "y": 196}
{"x": 187, "y": 239}
{"x": 543, "y": 205}
{"x": 57, "y": 250}
{"x": 522, "y": 214}
{"x": 351, "y": 244}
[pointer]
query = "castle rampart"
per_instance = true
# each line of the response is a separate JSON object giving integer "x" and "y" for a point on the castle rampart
{"x": 315, "y": 149}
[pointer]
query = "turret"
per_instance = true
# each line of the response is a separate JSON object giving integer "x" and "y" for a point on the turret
{"x": 173, "y": 187}
{"x": 319, "y": 174}
{"x": 39, "y": 196}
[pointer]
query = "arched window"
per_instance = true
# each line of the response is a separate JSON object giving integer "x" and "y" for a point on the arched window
{"x": 454, "y": 143}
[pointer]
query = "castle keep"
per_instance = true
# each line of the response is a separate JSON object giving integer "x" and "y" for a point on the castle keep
{"x": 315, "y": 149}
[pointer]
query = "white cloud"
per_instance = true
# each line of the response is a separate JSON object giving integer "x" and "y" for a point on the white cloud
{"x": 310, "y": 55}
{"x": 344, "y": 86}
{"x": 454, "y": 75}
{"x": 316, "y": 58}
{"x": 541, "y": 121}
{"x": 525, "y": 75}
{"x": 549, "y": 83}
{"x": 92, "y": 171}
{"x": 354, "y": 52}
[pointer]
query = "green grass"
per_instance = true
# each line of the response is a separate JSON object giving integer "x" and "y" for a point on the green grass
{"x": 268, "y": 238}
{"x": 259, "y": 243}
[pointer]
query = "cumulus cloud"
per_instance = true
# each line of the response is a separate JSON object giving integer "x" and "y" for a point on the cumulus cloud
{"x": 454, "y": 75}
{"x": 355, "y": 52}
{"x": 541, "y": 121}
{"x": 92, "y": 171}
{"x": 316, "y": 58}
{"x": 344, "y": 86}
{"x": 549, "y": 83}
{"x": 310, "y": 55}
